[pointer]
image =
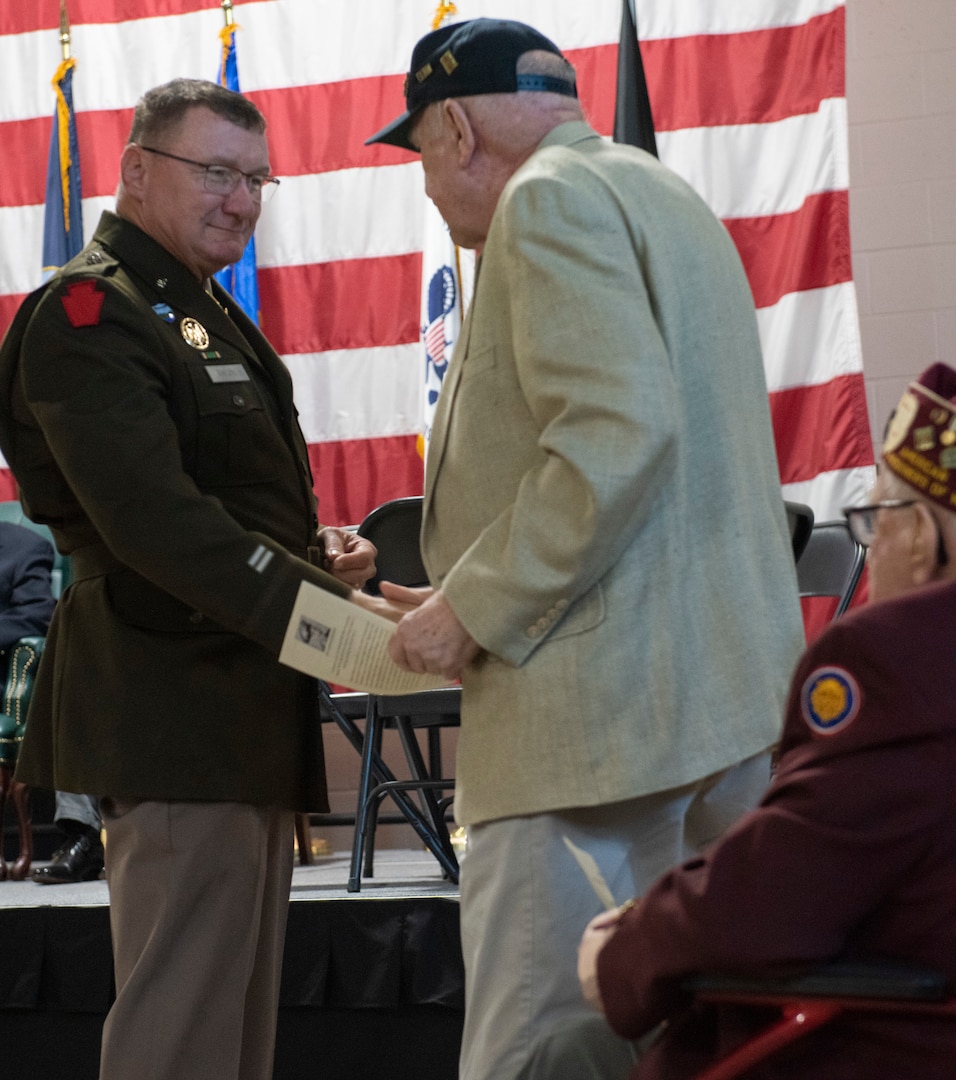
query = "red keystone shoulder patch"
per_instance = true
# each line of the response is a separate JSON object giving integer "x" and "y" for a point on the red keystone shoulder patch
{"x": 82, "y": 302}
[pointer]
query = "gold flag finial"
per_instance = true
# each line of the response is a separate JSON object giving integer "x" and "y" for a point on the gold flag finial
{"x": 227, "y": 11}
{"x": 64, "y": 31}
{"x": 442, "y": 12}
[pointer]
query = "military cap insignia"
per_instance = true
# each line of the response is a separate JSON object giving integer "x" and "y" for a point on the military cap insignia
{"x": 194, "y": 333}
{"x": 422, "y": 74}
{"x": 830, "y": 700}
{"x": 82, "y": 303}
{"x": 448, "y": 62}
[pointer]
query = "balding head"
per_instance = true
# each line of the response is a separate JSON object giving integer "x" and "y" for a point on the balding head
{"x": 471, "y": 146}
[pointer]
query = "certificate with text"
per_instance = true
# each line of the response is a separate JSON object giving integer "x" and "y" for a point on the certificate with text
{"x": 335, "y": 640}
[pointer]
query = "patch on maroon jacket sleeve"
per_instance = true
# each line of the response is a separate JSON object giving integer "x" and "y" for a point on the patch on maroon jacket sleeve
{"x": 82, "y": 302}
{"x": 830, "y": 700}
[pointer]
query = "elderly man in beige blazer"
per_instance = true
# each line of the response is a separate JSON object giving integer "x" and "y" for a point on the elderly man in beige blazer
{"x": 603, "y": 530}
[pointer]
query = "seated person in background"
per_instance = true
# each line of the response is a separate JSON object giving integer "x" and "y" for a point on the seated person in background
{"x": 852, "y": 852}
{"x": 80, "y": 857}
{"x": 26, "y": 607}
{"x": 26, "y": 602}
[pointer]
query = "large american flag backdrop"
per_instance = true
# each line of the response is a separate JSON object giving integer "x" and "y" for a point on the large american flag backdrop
{"x": 749, "y": 106}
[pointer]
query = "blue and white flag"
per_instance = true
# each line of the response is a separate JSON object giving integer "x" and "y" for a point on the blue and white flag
{"x": 63, "y": 220}
{"x": 239, "y": 279}
{"x": 446, "y": 275}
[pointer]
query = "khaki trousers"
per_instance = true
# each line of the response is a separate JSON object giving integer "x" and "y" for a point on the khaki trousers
{"x": 199, "y": 895}
{"x": 525, "y": 903}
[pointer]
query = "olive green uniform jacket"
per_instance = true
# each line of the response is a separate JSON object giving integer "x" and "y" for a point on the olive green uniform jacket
{"x": 156, "y": 435}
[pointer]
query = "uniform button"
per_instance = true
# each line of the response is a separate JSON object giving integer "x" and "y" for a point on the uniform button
{"x": 196, "y": 617}
{"x": 94, "y": 257}
{"x": 238, "y": 399}
{"x": 561, "y": 605}
{"x": 533, "y": 632}
{"x": 543, "y": 624}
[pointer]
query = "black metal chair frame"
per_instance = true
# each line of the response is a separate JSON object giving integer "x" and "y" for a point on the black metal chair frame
{"x": 800, "y": 520}
{"x": 405, "y": 713}
{"x": 376, "y": 780}
{"x": 394, "y": 528}
{"x": 831, "y": 564}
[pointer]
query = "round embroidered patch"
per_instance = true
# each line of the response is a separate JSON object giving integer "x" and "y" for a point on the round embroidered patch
{"x": 830, "y": 700}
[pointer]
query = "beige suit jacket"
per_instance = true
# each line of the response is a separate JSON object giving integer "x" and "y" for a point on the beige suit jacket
{"x": 602, "y": 504}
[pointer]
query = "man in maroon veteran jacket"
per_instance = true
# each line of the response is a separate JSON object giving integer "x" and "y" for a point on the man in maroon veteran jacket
{"x": 852, "y": 852}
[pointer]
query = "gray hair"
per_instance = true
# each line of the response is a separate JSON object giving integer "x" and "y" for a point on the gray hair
{"x": 539, "y": 62}
{"x": 162, "y": 109}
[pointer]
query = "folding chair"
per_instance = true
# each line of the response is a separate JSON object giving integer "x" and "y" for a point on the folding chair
{"x": 800, "y": 520}
{"x": 394, "y": 528}
{"x": 346, "y": 710}
{"x": 831, "y": 564}
{"x": 810, "y": 1001}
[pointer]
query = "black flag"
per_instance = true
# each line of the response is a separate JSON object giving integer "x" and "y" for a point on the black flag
{"x": 633, "y": 122}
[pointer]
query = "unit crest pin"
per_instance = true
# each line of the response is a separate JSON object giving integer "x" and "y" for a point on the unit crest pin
{"x": 194, "y": 333}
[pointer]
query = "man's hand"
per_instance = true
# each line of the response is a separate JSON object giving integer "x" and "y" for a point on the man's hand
{"x": 596, "y": 934}
{"x": 406, "y": 594}
{"x": 430, "y": 639}
{"x": 378, "y": 605}
{"x": 348, "y": 556}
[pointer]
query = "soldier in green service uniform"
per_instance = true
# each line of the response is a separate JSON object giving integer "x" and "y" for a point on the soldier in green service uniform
{"x": 150, "y": 424}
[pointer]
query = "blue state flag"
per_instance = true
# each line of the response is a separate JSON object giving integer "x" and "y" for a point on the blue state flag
{"x": 63, "y": 223}
{"x": 239, "y": 279}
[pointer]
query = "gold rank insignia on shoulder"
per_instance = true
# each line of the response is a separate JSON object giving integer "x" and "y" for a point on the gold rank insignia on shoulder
{"x": 194, "y": 333}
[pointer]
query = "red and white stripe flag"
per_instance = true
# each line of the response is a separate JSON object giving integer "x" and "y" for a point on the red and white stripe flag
{"x": 749, "y": 106}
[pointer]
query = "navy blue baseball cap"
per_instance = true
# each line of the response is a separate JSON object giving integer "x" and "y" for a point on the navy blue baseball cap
{"x": 464, "y": 59}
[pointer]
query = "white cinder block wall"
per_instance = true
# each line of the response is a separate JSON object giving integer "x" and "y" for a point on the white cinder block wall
{"x": 901, "y": 98}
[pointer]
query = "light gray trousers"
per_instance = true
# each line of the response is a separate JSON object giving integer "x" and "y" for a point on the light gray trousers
{"x": 524, "y": 906}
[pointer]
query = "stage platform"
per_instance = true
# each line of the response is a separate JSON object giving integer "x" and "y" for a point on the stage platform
{"x": 372, "y": 984}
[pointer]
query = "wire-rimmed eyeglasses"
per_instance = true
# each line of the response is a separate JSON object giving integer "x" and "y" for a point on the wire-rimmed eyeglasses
{"x": 862, "y": 523}
{"x": 224, "y": 179}
{"x": 862, "y": 519}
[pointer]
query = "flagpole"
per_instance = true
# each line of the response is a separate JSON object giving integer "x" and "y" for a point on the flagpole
{"x": 64, "y": 31}
{"x": 63, "y": 211}
{"x": 65, "y": 45}
{"x": 442, "y": 12}
{"x": 442, "y": 302}
{"x": 239, "y": 278}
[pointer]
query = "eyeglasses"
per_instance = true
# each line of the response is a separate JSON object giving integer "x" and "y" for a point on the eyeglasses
{"x": 862, "y": 519}
{"x": 223, "y": 179}
{"x": 862, "y": 522}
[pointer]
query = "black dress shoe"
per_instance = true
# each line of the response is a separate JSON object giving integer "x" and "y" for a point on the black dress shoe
{"x": 79, "y": 859}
